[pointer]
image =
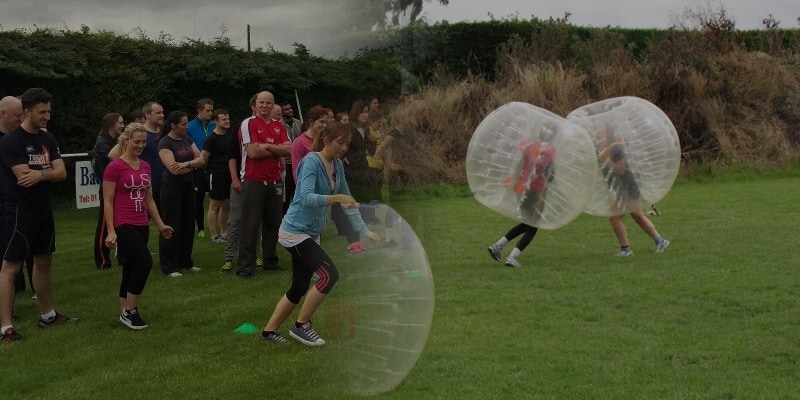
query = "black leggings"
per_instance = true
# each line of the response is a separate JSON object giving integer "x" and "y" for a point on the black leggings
{"x": 135, "y": 258}
{"x": 529, "y": 231}
{"x": 307, "y": 258}
{"x": 177, "y": 211}
{"x": 102, "y": 254}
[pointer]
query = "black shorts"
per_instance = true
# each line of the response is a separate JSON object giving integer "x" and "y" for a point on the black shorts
{"x": 200, "y": 179}
{"x": 219, "y": 186}
{"x": 28, "y": 233}
{"x": 624, "y": 186}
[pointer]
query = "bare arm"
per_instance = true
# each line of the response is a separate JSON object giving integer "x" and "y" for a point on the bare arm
{"x": 27, "y": 177}
{"x": 236, "y": 184}
{"x": 174, "y": 167}
{"x": 199, "y": 161}
{"x": 258, "y": 151}
{"x": 281, "y": 150}
{"x": 115, "y": 152}
{"x": 165, "y": 230}
{"x": 109, "y": 190}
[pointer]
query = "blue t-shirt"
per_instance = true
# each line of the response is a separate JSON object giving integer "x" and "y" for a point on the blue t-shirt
{"x": 198, "y": 132}
{"x": 150, "y": 154}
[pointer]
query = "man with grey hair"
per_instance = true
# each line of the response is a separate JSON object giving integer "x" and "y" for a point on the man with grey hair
{"x": 11, "y": 115}
{"x": 29, "y": 162}
{"x": 264, "y": 143}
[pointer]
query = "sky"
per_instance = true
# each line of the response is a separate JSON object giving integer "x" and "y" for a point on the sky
{"x": 279, "y": 24}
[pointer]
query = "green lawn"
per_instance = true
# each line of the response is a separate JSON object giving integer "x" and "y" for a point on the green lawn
{"x": 716, "y": 316}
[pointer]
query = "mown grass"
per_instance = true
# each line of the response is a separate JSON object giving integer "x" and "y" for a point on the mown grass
{"x": 715, "y": 316}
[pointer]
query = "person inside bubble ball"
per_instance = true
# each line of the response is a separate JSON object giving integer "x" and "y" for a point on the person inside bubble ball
{"x": 531, "y": 187}
{"x": 320, "y": 182}
{"x": 622, "y": 184}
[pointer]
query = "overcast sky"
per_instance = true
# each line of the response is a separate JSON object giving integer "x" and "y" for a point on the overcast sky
{"x": 280, "y": 23}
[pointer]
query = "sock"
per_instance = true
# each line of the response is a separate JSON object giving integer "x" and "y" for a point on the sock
{"x": 501, "y": 243}
{"x": 659, "y": 240}
{"x": 515, "y": 253}
{"x": 49, "y": 316}
{"x": 299, "y": 325}
{"x": 5, "y": 328}
{"x": 626, "y": 247}
{"x": 267, "y": 333}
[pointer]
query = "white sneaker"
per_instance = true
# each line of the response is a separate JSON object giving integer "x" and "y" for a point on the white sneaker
{"x": 512, "y": 262}
{"x": 194, "y": 269}
{"x": 624, "y": 253}
{"x": 175, "y": 275}
{"x": 662, "y": 246}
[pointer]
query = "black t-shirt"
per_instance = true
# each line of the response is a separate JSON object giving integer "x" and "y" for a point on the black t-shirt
{"x": 2, "y": 185}
{"x": 218, "y": 146}
{"x": 182, "y": 151}
{"x": 37, "y": 151}
{"x": 100, "y": 159}
{"x": 235, "y": 149}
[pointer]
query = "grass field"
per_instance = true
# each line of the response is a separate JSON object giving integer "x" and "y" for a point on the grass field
{"x": 717, "y": 316}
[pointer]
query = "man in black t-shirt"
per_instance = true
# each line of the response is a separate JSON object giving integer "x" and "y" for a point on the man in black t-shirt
{"x": 11, "y": 115}
{"x": 29, "y": 160}
{"x": 215, "y": 151}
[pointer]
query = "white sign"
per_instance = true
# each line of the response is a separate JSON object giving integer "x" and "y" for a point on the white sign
{"x": 87, "y": 185}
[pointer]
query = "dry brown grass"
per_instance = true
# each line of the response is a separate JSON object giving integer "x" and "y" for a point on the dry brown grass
{"x": 729, "y": 107}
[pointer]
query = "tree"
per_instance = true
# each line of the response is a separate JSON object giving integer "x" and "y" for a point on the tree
{"x": 400, "y": 6}
{"x": 370, "y": 14}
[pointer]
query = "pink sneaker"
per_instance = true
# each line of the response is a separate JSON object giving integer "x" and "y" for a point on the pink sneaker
{"x": 356, "y": 247}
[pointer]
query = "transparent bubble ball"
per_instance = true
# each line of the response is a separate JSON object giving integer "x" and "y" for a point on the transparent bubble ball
{"x": 377, "y": 318}
{"x": 531, "y": 165}
{"x": 638, "y": 153}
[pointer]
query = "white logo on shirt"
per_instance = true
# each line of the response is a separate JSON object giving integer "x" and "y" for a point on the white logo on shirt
{"x": 138, "y": 191}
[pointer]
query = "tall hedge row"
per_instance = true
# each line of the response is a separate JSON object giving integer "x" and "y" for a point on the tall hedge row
{"x": 91, "y": 73}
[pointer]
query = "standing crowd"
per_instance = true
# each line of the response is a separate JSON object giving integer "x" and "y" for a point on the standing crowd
{"x": 270, "y": 180}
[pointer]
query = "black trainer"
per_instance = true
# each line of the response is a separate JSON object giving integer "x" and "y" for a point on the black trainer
{"x": 132, "y": 319}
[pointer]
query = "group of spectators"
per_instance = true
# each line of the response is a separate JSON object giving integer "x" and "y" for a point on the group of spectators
{"x": 159, "y": 168}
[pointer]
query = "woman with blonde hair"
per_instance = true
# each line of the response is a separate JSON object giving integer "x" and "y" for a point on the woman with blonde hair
{"x": 128, "y": 202}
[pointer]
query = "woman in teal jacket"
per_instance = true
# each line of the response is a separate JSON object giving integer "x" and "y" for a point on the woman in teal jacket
{"x": 320, "y": 183}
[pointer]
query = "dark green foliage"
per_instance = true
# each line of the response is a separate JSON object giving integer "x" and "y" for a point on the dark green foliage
{"x": 90, "y": 74}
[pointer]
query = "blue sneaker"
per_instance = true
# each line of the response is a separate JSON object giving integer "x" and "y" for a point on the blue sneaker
{"x": 306, "y": 335}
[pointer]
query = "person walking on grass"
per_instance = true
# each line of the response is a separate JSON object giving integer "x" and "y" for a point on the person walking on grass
{"x": 531, "y": 188}
{"x": 321, "y": 183}
{"x": 622, "y": 182}
{"x": 128, "y": 202}
{"x": 29, "y": 162}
